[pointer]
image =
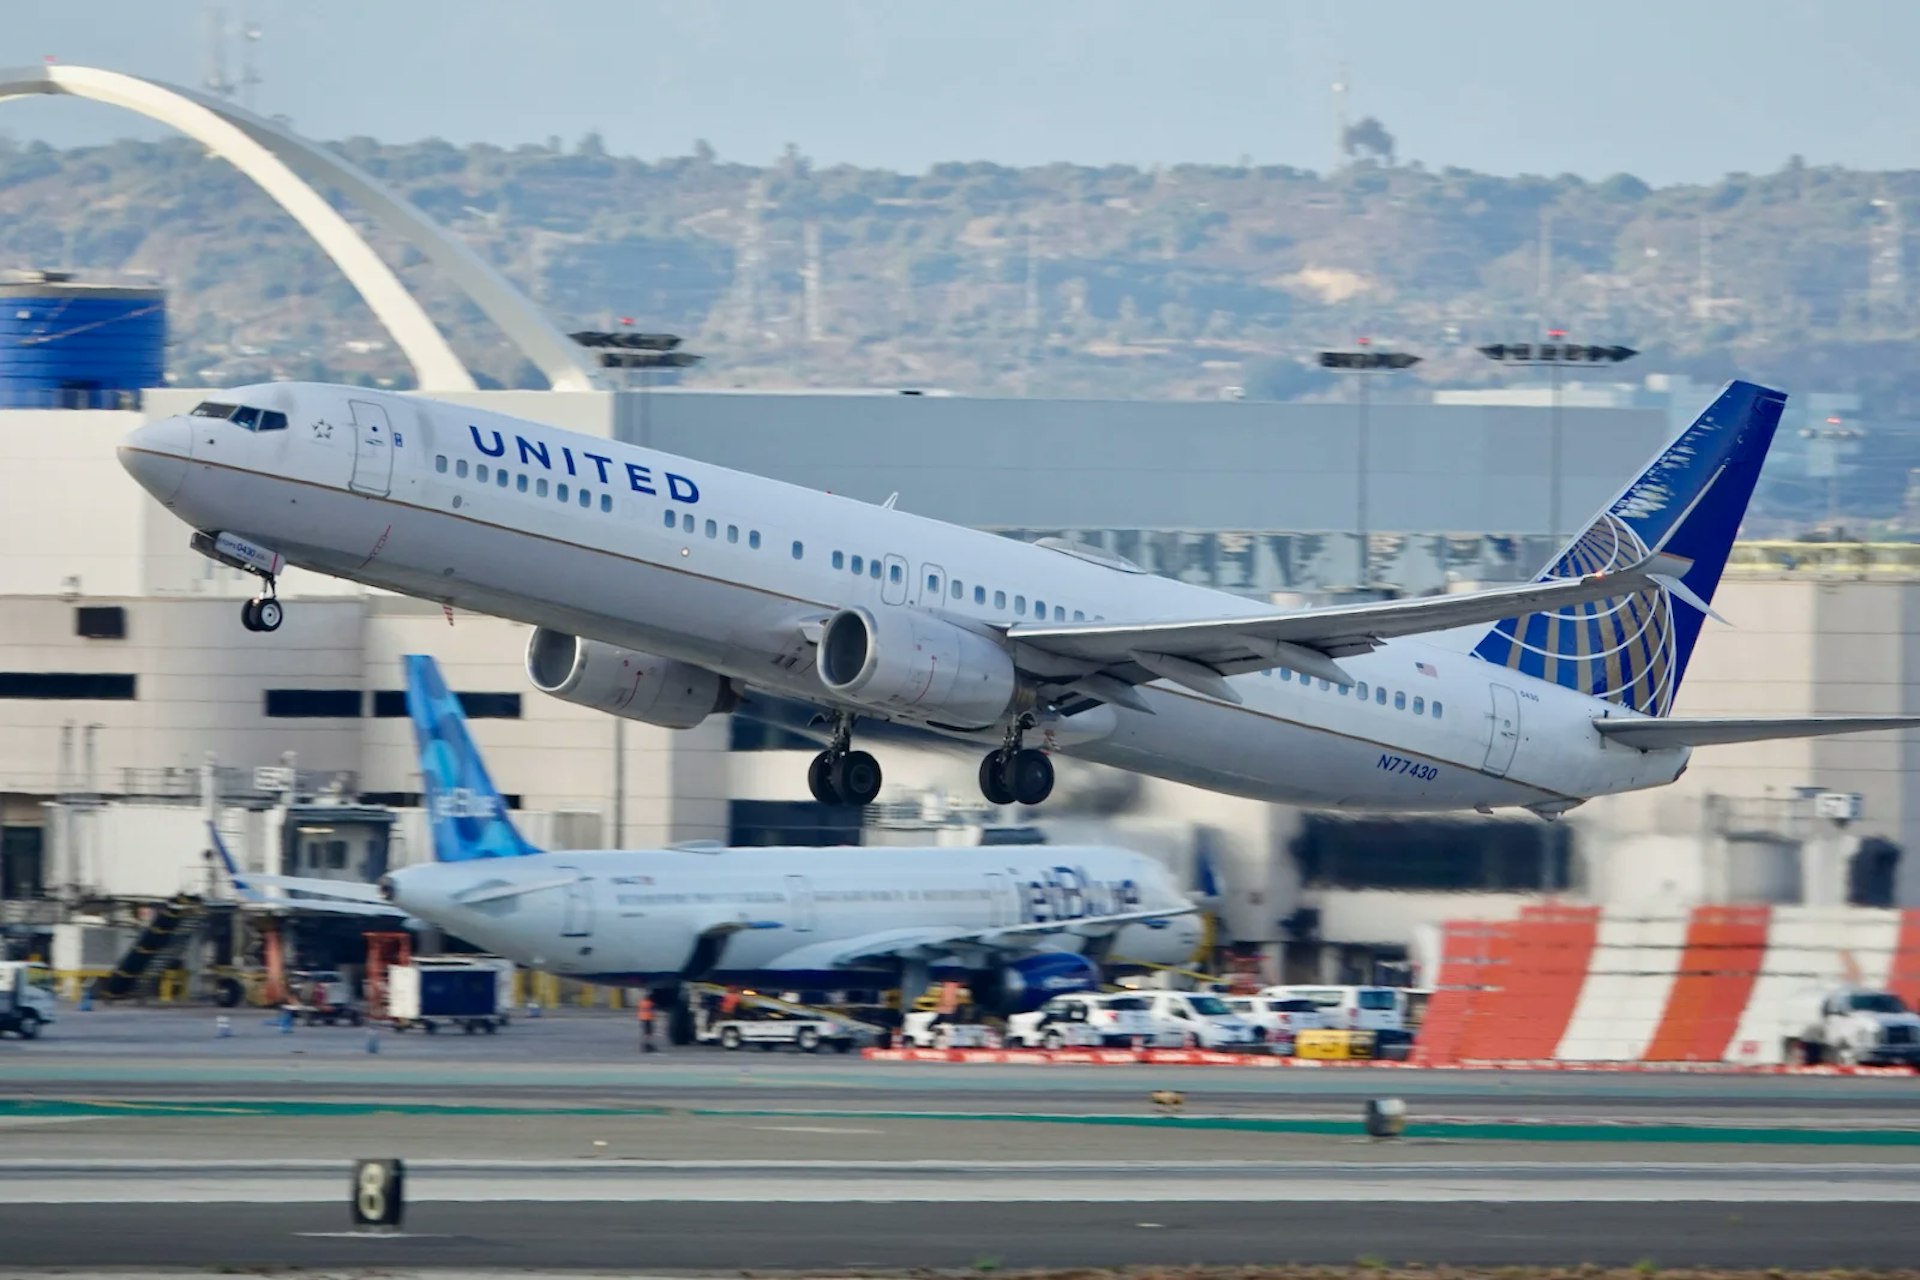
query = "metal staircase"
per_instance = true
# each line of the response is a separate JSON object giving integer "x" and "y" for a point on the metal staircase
{"x": 158, "y": 948}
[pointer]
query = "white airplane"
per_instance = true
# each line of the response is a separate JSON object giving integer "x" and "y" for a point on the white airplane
{"x": 1019, "y": 923}
{"x": 663, "y": 589}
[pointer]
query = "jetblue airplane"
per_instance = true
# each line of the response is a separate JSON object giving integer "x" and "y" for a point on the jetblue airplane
{"x": 666, "y": 590}
{"x": 1019, "y": 923}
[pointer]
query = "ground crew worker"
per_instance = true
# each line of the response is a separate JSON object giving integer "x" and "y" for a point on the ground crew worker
{"x": 645, "y": 1012}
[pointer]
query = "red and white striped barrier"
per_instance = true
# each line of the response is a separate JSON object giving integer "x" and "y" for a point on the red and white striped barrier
{"x": 1208, "y": 1058}
{"x": 1713, "y": 985}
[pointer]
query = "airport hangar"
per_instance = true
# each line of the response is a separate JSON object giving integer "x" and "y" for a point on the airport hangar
{"x": 125, "y": 671}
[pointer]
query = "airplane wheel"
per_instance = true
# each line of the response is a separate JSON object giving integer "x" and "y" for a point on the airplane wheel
{"x": 820, "y": 779}
{"x": 267, "y": 614}
{"x": 249, "y": 615}
{"x": 856, "y": 776}
{"x": 1031, "y": 777}
{"x": 993, "y": 780}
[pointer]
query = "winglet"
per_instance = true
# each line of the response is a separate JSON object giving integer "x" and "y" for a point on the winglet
{"x": 233, "y": 868}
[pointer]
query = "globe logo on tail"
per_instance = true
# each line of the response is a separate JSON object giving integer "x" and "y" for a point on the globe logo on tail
{"x": 1620, "y": 649}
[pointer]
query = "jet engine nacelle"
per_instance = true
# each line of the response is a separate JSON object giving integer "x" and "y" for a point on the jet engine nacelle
{"x": 625, "y": 682}
{"x": 911, "y": 665}
{"x": 1031, "y": 981}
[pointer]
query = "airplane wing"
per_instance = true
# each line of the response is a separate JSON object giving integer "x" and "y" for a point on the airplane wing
{"x": 1654, "y": 735}
{"x": 926, "y": 943}
{"x": 1101, "y": 660}
{"x": 308, "y": 893}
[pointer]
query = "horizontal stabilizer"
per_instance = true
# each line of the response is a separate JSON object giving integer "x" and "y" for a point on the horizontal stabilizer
{"x": 1656, "y": 735}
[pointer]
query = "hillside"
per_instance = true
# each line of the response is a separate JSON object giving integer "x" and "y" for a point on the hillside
{"x": 1060, "y": 280}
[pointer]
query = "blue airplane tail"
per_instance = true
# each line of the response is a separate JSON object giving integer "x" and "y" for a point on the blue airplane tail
{"x": 469, "y": 815}
{"x": 1689, "y": 502}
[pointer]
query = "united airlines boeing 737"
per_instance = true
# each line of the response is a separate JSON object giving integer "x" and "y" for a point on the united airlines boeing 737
{"x": 1019, "y": 923}
{"x": 664, "y": 590}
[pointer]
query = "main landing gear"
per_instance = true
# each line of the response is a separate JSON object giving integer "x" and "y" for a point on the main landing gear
{"x": 1016, "y": 774}
{"x": 262, "y": 613}
{"x": 841, "y": 775}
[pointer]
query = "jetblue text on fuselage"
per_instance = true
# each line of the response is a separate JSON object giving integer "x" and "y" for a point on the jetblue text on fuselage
{"x": 639, "y": 478}
{"x": 464, "y": 802}
{"x": 1069, "y": 893}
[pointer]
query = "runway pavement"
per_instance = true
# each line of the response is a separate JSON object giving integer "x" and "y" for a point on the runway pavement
{"x": 138, "y": 1138}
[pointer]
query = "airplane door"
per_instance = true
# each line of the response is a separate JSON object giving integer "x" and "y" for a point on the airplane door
{"x": 576, "y": 916}
{"x": 372, "y": 449}
{"x": 893, "y": 580}
{"x": 931, "y": 585}
{"x": 800, "y": 901}
{"x": 1503, "y": 730}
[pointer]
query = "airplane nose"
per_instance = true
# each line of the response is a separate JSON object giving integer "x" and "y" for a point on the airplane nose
{"x": 156, "y": 454}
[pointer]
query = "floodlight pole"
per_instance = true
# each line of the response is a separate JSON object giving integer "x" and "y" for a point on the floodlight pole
{"x": 1364, "y": 362}
{"x": 1555, "y": 354}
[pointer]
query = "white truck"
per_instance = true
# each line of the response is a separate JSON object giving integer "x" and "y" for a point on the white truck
{"x": 26, "y": 998}
{"x": 1083, "y": 1020}
{"x": 808, "y": 1035}
{"x": 1852, "y": 1026}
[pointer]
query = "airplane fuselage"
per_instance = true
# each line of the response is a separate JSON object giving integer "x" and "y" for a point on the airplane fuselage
{"x": 727, "y": 571}
{"x": 779, "y": 915}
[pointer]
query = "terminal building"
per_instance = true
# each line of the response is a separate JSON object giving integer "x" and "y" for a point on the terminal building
{"x": 132, "y": 699}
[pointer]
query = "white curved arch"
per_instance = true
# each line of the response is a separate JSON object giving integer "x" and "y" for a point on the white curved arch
{"x": 270, "y": 156}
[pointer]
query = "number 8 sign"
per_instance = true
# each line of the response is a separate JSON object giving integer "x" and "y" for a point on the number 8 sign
{"x": 378, "y": 1193}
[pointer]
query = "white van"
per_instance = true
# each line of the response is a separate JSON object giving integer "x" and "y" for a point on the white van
{"x": 1082, "y": 1019}
{"x": 1351, "y": 1008}
{"x": 1282, "y": 1020}
{"x": 1180, "y": 1017}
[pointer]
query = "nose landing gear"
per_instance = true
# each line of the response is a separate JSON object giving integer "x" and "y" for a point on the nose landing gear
{"x": 841, "y": 775}
{"x": 262, "y": 613}
{"x": 1016, "y": 774}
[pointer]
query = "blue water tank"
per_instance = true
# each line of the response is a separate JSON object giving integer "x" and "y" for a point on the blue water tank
{"x": 67, "y": 345}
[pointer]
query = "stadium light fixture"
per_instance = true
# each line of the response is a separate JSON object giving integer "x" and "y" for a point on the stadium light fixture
{"x": 1554, "y": 355}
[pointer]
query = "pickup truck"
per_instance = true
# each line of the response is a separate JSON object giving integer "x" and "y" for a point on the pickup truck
{"x": 807, "y": 1035}
{"x": 1852, "y": 1027}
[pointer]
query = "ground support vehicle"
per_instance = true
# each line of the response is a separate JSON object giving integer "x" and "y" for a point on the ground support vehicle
{"x": 460, "y": 991}
{"x": 318, "y": 996}
{"x": 925, "y": 1029}
{"x": 808, "y": 1035}
{"x": 1851, "y": 1027}
{"x": 26, "y": 998}
{"x": 1083, "y": 1020}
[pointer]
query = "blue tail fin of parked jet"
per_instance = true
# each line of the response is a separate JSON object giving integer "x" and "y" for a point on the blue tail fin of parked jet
{"x": 1689, "y": 502}
{"x": 469, "y": 815}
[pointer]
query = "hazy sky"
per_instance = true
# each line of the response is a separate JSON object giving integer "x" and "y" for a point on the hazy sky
{"x": 1671, "y": 90}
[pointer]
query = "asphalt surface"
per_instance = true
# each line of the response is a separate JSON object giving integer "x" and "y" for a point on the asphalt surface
{"x": 670, "y": 1236}
{"x": 142, "y": 1138}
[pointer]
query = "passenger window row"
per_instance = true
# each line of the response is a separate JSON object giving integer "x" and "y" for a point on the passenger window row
{"x": 520, "y": 482}
{"x": 712, "y": 529}
{"x": 1359, "y": 690}
{"x": 956, "y": 590}
{"x": 872, "y": 567}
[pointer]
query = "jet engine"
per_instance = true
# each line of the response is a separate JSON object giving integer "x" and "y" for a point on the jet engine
{"x": 1031, "y": 981}
{"x": 625, "y": 682}
{"x": 910, "y": 665}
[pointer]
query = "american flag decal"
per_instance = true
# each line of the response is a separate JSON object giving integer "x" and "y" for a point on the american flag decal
{"x": 1426, "y": 669}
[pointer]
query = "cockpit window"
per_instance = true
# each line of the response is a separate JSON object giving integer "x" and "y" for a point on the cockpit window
{"x": 242, "y": 415}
